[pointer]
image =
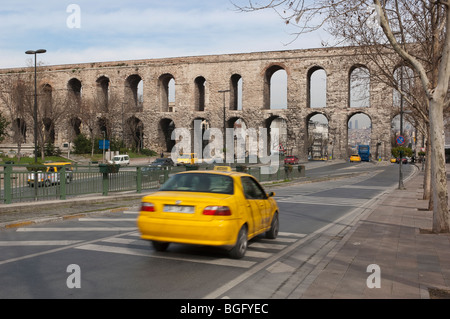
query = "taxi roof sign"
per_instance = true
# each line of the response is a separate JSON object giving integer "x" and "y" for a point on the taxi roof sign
{"x": 222, "y": 168}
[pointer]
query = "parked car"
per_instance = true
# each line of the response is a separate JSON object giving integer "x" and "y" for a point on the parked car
{"x": 355, "y": 158}
{"x": 51, "y": 174}
{"x": 122, "y": 160}
{"x": 214, "y": 208}
{"x": 291, "y": 159}
{"x": 404, "y": 160}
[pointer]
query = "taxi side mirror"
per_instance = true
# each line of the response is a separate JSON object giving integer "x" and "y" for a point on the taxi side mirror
{"x": 271, "y": 194}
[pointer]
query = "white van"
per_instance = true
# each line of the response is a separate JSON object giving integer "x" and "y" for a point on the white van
{"x": 123, "y": 160}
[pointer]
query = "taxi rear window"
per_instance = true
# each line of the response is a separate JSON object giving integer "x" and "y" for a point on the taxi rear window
{"x": 200, "y": 182}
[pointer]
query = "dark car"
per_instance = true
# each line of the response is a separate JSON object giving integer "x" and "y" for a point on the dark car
{"x": 291, "y": 159}
{"x": 161, "y": 163}
{"x": 404, "y": 160}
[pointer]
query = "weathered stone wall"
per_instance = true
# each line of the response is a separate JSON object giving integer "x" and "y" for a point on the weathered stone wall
{"x": 218, "y": 70}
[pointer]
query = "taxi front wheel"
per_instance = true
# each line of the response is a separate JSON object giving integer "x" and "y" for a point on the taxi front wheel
{"x": 160, "y": 246}
{"x": 238, "y": 251}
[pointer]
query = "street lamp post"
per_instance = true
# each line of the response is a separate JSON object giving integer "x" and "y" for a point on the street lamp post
{"x": 35, "y": 52}
{"x": 224, "y": 123}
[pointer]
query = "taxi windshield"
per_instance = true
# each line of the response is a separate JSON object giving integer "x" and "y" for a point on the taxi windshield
{"x": 200, "y": 182}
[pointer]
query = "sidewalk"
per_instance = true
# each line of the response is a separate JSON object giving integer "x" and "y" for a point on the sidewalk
{"x": 413, "y": 262}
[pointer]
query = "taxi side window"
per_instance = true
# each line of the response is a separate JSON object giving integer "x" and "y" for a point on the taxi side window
{"x": 251, "y": 189}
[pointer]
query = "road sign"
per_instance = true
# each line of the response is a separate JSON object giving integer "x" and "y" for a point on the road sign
{"x": 104, "y": 146}
{"x": 400, "y": 140}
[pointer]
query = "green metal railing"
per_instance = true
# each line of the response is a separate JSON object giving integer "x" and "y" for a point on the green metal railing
{"x": 94, "y": 179}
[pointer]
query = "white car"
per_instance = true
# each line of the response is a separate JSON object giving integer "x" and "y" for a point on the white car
{"x": 123, "y": 160}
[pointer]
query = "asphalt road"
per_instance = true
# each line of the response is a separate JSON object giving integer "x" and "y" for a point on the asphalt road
{"x": 102, "y": 256}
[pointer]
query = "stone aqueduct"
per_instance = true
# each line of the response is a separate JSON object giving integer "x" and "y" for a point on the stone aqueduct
{"x": 199, "y": 79}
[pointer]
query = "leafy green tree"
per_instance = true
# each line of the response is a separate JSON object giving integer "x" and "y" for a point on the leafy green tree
{"x": 406, "y": 151}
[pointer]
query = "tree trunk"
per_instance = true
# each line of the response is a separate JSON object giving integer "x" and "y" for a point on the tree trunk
{"x": 427, "y": 178}
{"x": 438, "y": 171}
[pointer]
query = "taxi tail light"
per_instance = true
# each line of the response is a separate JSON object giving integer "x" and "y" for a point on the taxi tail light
{"x": 217, "y": 211}
{"x": 147, "y": 207}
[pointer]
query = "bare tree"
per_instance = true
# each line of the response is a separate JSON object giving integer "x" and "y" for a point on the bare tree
{"x": 414, "y": 31}
{"x": 16, "y": 96}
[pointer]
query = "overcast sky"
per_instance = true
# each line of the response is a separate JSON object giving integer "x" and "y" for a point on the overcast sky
{"x": 95, "y": 31}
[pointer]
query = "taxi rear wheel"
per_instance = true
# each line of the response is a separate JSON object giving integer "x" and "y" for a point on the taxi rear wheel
{"x": 238, "y": 251}
{"x": 160, "y": 246}
{"x": 272, "y": 233}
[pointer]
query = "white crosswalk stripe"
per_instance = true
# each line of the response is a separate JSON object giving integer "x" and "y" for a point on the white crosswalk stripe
{"x": 38, "y": 243}
{"x": 258, "y": 250}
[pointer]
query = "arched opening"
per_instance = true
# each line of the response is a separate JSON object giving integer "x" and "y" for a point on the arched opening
{"x": 276, "y": 134}
{"x": 46, "y": 100}
{"x": 318, "y": 137}
{"x": 241, "y": 138}
{"x": 75, "y": 125}
{"x": 74, "y": 88}
{"x": 200, "y": 83}
{"x": 166, "y": 128}
{"x": 275, "y": 88}
{"x": 135, "y": 133}
{"x": 134, "y": 97}
{"x": 408, "y": 131}
{"x": 103, "y": 90}
{"x": 359, "y": 95}
{"x": 167, "y": 92}
{"x": 49, "y": 130}
{"x": 236, "y": 92}
{"x": 317, "y": 88}
{"x": 19, "y": 127}
{"x": 201, "y": 124}
{"x": 404, "y": 82}
{"x": 359, "y": 132}
{"x": 104, "y": 127}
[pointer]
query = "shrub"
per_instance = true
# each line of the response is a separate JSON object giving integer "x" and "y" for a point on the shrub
{"x": 82, "y": 145}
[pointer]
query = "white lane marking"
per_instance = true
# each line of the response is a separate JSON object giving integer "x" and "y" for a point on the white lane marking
{"x": 69, "y": 229}
{"x": 167, "y": 255}
{"x": 39, "y": 242}
{"x": 329, "y": 201}
{"x": 92, "y": 219}
{"x": 131, "y": 212}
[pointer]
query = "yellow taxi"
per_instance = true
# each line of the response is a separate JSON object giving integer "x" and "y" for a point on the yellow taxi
{"x": 214, "y": 208}
{"x": 355, "y": 158}
{"x": 187, "y": 159}
{"x": 51, "y": 174}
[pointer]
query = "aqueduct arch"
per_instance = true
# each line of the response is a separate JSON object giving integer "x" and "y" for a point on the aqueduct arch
{"x": 200, "y": 83}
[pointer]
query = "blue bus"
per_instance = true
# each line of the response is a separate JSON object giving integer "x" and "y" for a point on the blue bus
{"x": 364, "y": 152}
